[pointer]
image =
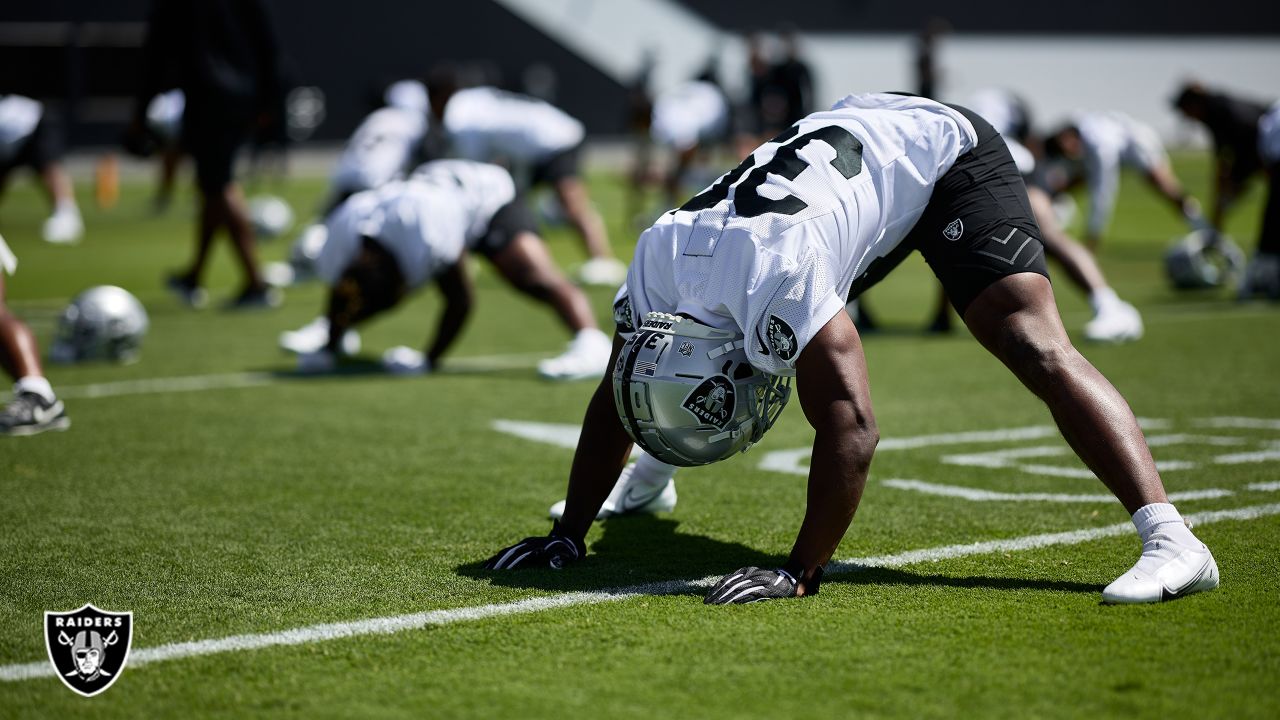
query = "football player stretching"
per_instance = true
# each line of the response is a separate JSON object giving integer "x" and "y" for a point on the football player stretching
{"x": 744, "y": 286}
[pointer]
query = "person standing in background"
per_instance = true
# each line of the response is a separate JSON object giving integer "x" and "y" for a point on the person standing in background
{"x": 223, "y": 55}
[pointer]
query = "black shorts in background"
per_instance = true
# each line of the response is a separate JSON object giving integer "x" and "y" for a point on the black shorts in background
{"x": 42, "y": 148}
{"x": 510, "y": 220}
{"x": 977, "y": 228}
{"x": 564, "y": 164}
{"x": 213, "y": 139}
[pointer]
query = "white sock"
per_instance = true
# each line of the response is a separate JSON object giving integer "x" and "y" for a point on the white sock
{"x": 1103, "y": 298}
{"x": 652, "y": 471}
{"x": 35, "y": 384}
{"x": 1165, "y": 519}
{"x": 67, "y": 206}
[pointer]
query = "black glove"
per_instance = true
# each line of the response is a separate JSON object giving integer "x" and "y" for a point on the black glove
{"x": 753, "y": 584}
{"x": 553, "y": 551}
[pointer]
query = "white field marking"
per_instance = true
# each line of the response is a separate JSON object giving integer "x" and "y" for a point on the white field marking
{"x": 559, "y": 434}
{"x": 1250, "y": 457}
{"x": 1033, "y": 432}
{"x": 1186, "y": 439}
{"x": 1247, "y": 423}
{"x": 1264, "y": 486}
{"x": 416, "y": 621}
{"x": 192, "y": 383}
{"x": 978, "y": 495}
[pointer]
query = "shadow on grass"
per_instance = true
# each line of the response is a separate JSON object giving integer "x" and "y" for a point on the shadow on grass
{"x": 360, "y": 368}
{"x": 648, "y": 550}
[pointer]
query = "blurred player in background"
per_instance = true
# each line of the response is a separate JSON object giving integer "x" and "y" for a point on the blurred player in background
{"x": 383, "y": 146}
{"x": 34, "y": 407}
{"x": 745, "y": 285}
{"x": 164, "y": 123}
{"x": 491, "y": 125}
{"x": 1113, "y": 319}
{"x": 1092, "y": 147}
{"x": 223, "y": 56}
{"x": 383, "y": 244}
{"x": 28, "y": 137}
{"x": 688, "y": 118}
{"x": 792, "y": 80}
{"x": 1246, "y": 139}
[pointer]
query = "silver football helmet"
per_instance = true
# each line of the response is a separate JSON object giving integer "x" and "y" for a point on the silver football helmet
{"x": 101, "y": 323}
{"x": 687, "y": 394}
{"x": 1202, "y": 260}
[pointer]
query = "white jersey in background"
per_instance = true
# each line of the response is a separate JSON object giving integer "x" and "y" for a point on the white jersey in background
{"x": 1007, "y": 115}
{"x": 380, "y": 149}
{"x": 784, "y": 236}
{"x": 18, "y": 119}
{"x": 485, "y": 124}
{"x": 1113, "y": 140}
{"x": 164, "y": 114}
{"x": 427, "y": 222}
{"x": 688, "y": 114}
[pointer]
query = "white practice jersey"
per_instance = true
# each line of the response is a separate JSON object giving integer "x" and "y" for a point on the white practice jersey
{"x": 164, "y": 114}
{"x": 773, "y": 247}
{"x": 18, "y": 119}
{"x": 427, "y": 222}
{"x": 1269, "y": 135}
{"x": 1113, "y": 140}
{"x": 1006, "y": 114}
{"x": 486, "y": 124}
{"x": 380, "y": 149}
{"x": 688, "y": 114}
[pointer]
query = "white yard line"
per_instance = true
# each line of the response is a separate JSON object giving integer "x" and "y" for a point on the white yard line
{"x": 979, "y": 495}
{"x": 416, "y": 621}
{"x": 222, "y": 381}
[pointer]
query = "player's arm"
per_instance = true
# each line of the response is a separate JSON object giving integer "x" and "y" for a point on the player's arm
{"x": 602, "y": 451}
{"x": 831, "y": 383}
{"x": 1103, "y": 171}
{"x": 1226, "y": 186}
{"x": 831, "y": 377}
{"x": 459, "y": 297}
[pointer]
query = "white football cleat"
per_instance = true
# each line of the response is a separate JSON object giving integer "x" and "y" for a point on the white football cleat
{"x": 402, "y": 360}
{"x": 1116, "y": 322}
{"x": 630, "y": 498}
{"x": 1166, "y": 571}
{"x": 586, "y": 358}
{"x": 314, "y": 336}
{"x": 63, "y": 227}
{"x": 603, "y": 272}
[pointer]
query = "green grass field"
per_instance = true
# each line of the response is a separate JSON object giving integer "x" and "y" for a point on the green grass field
{"x": 266, "y": 502}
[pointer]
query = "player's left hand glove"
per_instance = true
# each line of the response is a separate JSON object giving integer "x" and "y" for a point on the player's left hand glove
{"x": 753, "y": 584}
{"x": 555, "y": 550}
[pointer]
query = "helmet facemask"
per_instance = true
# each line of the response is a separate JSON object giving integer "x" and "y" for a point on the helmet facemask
{"x": 686, "y": 393}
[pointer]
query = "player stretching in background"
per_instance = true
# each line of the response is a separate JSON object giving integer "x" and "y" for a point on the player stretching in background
{"x": 34, "y": 408}
{"x": 383, "y": 244}
{"x": 27, "y": 137}
{"x": 1246, "y": 139}
{"x": 1092, "y": 148}
{"x": 491, "y": 125}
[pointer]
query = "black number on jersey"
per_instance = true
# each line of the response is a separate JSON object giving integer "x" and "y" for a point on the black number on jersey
{"x": 747, "y": 200}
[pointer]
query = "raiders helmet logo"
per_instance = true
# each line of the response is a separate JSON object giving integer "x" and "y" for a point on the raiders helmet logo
{"x": 713, "y": 401}
{"x": 954, "y": 230}
{"x": 622, "y": 315}
{"x": 686, "y": 349}
{"x": 88, "y": 647}
{"x": 782, "y": 338}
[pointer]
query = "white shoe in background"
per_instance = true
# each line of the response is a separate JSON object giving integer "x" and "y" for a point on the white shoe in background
{"x": 603, "y": 272}
{"x": 1166, "y": 571}
{"x": 1115, "y": 322}
{"x": 314, "y": 336}
{"x": 632, "y": 495}
{"x": 64, "y": 227}
{"x": 587, "y": 357}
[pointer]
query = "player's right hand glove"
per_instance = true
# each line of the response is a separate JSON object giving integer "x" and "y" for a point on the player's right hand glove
{"x": 555, "y": 550}
{"x": 753, "y": 584}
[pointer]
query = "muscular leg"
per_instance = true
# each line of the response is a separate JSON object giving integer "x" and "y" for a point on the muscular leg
{"x": 527, "y": 265}
{"x": 19, "y": 354}
{"x": 57, "y": 185}
{"x": 1017, "y": 321}
{"x": 577, "y": 206}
